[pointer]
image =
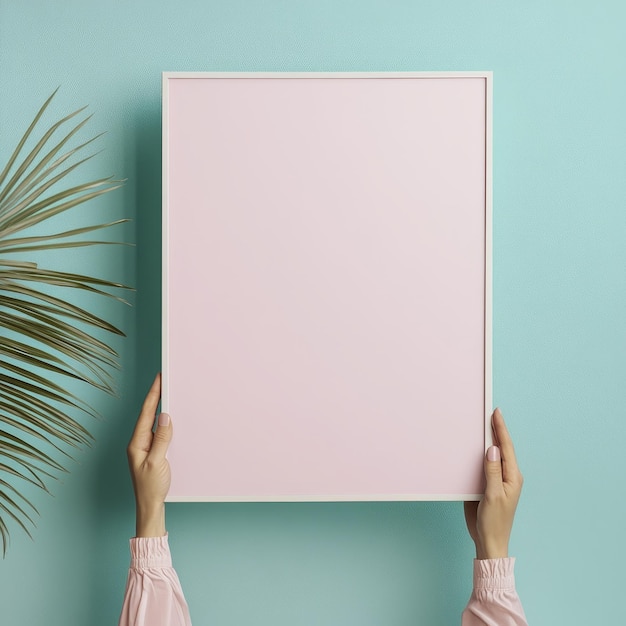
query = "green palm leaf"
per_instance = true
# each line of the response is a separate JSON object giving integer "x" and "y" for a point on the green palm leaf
{"x": 44, "y": 338}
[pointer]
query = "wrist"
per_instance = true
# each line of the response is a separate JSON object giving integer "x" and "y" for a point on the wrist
{"x": 493, "y": 551}
{"x": 150, "y": 520}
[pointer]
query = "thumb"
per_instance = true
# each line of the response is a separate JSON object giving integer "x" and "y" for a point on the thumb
{"x": 493, "y": 470}
{"x": 161, "y": 438}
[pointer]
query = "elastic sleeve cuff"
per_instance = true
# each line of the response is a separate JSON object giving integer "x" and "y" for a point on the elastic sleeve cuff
{"x": 494, "y": 574}
{"x": 146, "y": 552}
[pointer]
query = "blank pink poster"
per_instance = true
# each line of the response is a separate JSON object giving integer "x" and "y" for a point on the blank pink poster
{"x": 326, "y": 285}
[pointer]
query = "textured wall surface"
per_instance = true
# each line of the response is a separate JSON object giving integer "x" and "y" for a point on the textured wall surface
{"x": 559, "y": 311}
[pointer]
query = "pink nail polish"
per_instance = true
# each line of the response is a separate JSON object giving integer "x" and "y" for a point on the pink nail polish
{"x": 493, "y": 454}
{"x": 164, "y": 419}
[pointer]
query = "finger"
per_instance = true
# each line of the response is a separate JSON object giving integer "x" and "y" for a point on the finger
{"x": 494, "y": 434}
{"x": 493, "y": 471}
{"x": 145, "y": 421}
{"x": 161, "y": 439}
{"x": 509, "y": 460}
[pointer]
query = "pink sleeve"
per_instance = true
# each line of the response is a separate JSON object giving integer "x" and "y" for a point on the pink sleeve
{"x": 494, "y": 601}
{"x": 153, "y": 596}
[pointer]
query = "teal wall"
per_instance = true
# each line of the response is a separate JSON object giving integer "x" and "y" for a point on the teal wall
{"x": 559, "y": 311}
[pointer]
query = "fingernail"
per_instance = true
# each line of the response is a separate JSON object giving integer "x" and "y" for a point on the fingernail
{"x": 493, "y": 454}
{"x": 164, "y": 419}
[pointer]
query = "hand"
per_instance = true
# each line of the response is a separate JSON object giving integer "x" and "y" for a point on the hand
{"x": 149, "y": 469}
{"x": 490, "y": 521}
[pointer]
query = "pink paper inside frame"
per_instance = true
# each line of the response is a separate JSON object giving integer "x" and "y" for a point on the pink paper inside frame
{"x": 326, "y": 285}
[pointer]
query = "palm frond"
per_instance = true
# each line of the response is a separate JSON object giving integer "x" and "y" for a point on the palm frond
{"x": 46, "y": 339}
{"x": 25, "y": 136}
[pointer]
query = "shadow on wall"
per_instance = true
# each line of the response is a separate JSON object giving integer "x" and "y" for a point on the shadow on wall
{"x": 323, "y": 563}
{"x": 114, "y": 523}
{"x": 148, "y": 228}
